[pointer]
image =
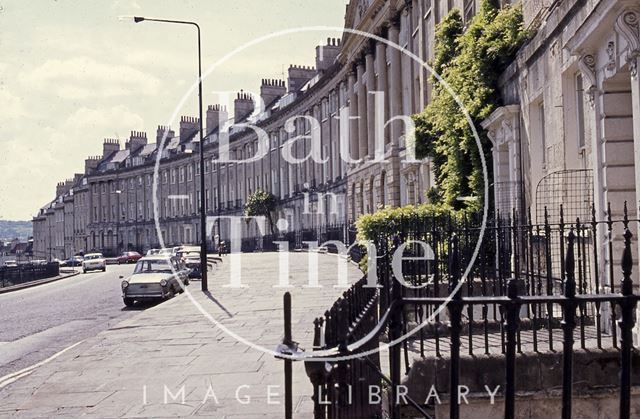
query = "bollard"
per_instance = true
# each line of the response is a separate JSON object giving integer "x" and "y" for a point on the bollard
{"x": 288, "y": 379}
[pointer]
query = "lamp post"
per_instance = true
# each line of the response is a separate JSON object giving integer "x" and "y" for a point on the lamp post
{"x": 203, "y": 227}
{"x": 118, "y": 216}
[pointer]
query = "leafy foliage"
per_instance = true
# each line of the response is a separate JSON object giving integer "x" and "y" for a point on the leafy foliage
{"x": 261, "y": 203}
{"x": 388, "y": 221}
{"x": 471, "y": 62}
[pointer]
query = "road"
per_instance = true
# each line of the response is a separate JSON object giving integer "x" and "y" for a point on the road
{"x": 37, "y": 322}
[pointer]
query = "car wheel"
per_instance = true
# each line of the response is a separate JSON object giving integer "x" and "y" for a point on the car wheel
{"x": 104, "y": 269}
{"x": 128, "y": 302}
{"x": 186, "y": 281}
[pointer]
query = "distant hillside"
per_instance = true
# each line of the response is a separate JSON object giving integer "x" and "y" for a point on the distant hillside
{"x": 12, "y": 229}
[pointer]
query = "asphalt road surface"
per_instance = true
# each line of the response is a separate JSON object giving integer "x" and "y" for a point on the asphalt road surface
{"x": 38, "y": 322}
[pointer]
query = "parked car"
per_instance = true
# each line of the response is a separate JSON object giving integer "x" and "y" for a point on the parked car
{"x": 191, "y": 261}
{"x": 154, "y": 277}
{"x": 187, "y": 248}
{"x": 156, "y": 252}
{"x": 129, "y": 257}
{"x": 94, "y": 262}
{"x": 10, "y": 263}
{"x": 72, "y": 261}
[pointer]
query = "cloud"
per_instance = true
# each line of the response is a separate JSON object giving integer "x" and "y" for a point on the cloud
{"x": 125, "y": 4}
{"x": 13, "y": 107}
{"x": 83, "y": 78}
{"x": 49, "y": 154}
{"x": 107, "y": 121}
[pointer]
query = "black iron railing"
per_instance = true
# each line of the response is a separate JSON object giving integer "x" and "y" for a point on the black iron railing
{"x": 518, "y": 288}
{"x": 324, "y": 235}
{"x": 14, "y": 275}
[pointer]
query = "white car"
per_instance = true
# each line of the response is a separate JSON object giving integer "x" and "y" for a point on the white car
{"x": 154, "y": 278}
{"x": 94, "y": 262}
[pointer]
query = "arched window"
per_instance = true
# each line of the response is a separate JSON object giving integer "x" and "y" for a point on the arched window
{"x": 353, "y": 201}
{"x": 372, "y": 201}
{"x": 383, "y": 185}
{"x": 362, "y": 203}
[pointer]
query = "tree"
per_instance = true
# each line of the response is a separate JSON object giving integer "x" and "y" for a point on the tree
{"x": 261, "y": 203}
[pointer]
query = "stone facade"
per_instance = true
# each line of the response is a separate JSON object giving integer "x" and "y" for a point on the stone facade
{"x": 569, "y": 132}
{"x": 110, "y": 207}
{"x": 564, "y": 135}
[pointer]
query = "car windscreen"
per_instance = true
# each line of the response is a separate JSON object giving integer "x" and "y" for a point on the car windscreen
{"x": 89, "y": 257}
{"x": 152, "y": 266}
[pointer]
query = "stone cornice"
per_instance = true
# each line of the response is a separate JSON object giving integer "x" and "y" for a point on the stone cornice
{"x": 502, "y": 123}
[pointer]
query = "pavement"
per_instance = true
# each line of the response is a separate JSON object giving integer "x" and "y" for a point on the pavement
{"x": 170, "y": 360}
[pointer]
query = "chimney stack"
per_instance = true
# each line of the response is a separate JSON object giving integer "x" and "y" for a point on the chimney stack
{"x": 189, "y": 125}
{"x": 59, "y": 189}
{"x": 68, "y": 184}
{"x": 216, "y": 114}
{"x": 272, "y": 89}
{"x": 136, "y": 140}
{"x": 162, "y": 129}
{"x": 110, "y": 146}
{"x": 299, "y": 75}
{"x": 64, "y": 187}
{"x": 243, "y": 106}
{"x": 91, "y": 164}
{"x": 326, "y": 54}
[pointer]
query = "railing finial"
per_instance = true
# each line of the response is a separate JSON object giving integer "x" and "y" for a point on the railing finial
{"x": 569, "y": 266}
{"x": 627, "y": 262}
{"x": 454, "y": 262}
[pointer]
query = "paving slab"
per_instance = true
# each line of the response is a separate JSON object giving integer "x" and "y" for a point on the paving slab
{"x": 170, "y": 360}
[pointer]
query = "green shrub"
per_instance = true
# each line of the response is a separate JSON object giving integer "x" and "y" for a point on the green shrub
{"x": 388, "y": 221}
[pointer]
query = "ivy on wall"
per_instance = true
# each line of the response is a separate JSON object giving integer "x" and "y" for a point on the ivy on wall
{"x": 470, "y": 60}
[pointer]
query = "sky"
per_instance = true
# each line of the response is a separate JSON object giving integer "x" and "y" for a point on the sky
{"x": 72, "y": 73}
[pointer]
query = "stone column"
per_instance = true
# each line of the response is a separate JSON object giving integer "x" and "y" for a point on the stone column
{"x": 354, "y": 150}
{"x": 587, "y": 66}
{"x": 381, "y": 57}
{"x": 362, "y": 112}
{"x": 628, "y": 27}
{"x": 370, "y": 87}
{"x": 395, "y": 88}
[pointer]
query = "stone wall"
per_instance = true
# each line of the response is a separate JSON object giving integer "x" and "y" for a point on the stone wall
{"x": 538, "y": 383}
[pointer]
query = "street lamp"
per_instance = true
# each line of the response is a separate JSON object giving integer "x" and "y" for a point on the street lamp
{"x": 203, "y": 227}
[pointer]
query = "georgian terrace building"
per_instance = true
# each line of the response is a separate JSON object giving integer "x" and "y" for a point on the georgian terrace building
{"x": 110, "y": 208}
{"x": 565, "y": 134}
{"x": 569, "y": 131}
